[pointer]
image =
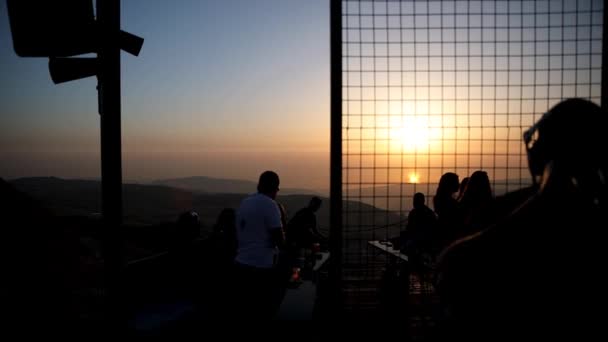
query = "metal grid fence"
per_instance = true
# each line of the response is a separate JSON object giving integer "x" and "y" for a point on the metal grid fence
{"x": 429, "y": 87}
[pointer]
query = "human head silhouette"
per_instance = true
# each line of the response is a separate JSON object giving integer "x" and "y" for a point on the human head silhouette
{"x": 478, "y": 188}
{"x": 570, "y": 138}
{"x": 315, "y": 203}
{"x": 448, "y": 184}
{"x": 188, "y": 226}
{"x": 226, "y": 220}
{"x": 269, "y": 184}
{"x": 418, "y": 200}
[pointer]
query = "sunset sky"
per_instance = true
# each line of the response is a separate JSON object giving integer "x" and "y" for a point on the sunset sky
{"x": 234, "y": 87}
{"x": 221, "y": 88}
{"x": 449, "y": 86}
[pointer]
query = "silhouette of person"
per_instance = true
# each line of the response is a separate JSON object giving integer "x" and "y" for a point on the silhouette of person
{"x": 219, "y": 261}
{"x": 183, "y": 255}
{"x": 187, "y": 229}
{"x": 301, "y": 234}
{"x": 476, "y": 204}
{"x": 259, "y": 234}
{"x": 537, "y": 272}
{"x": 420, "y": 225}
{"x": 446, "y": 207}
{"x": 224, "y": 236}
{"x": 302, "y": 230}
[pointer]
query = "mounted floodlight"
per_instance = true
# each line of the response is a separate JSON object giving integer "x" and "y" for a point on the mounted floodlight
{"x": 69, "y": 69}
{"x": 52, "y": 28}
{"x": 64, "y": 28}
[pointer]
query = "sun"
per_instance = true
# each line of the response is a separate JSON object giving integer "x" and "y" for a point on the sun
{"x": 414, "y": 178}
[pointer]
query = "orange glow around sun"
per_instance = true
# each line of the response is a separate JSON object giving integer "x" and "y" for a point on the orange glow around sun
{"x": 414, "y": 134}
{"x": 414, "y": 178}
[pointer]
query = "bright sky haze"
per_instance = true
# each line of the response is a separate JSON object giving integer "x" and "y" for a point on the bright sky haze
{"x": 221, "y": 88}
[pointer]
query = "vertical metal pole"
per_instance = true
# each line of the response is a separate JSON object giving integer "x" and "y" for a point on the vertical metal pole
{"x": 335, "y": 242}
{"x": 605, "y": 59}
{"x": 108, "y": 18}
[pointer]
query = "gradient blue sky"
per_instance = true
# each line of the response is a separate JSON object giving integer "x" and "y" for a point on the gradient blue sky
{"x": 221, "y": 88}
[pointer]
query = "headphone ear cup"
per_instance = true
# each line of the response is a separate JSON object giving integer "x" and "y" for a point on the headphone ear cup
{"x": 536, "y": 160}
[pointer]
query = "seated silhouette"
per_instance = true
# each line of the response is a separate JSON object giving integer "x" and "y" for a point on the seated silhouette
{"x": 421, "y": 224}
{"x": 302, "y": 230}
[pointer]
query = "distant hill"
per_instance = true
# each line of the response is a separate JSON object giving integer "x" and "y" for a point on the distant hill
{"x": 142, "y": 203}
{"x": 202, "y": 184}
{"x": 145, "y": 203}
{"x": 152, "y": 204}
{"x": 398, "y": 197}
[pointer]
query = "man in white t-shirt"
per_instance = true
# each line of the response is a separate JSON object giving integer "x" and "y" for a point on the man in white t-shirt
{"x": 259, "y": 233}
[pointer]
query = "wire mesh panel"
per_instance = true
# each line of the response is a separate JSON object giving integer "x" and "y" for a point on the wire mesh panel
{"x": 430, "y": 87}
